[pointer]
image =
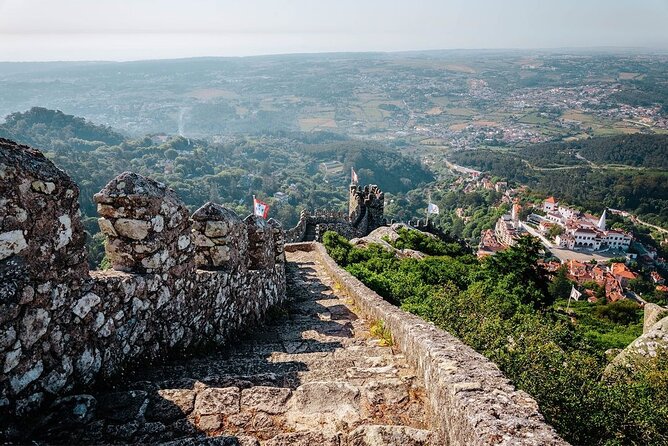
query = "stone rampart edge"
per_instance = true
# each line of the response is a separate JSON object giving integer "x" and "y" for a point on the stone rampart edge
{"x": 471, "y": 401}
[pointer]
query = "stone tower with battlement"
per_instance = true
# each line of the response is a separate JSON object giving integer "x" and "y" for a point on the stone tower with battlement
{"x": 365, "y": 213}
{"x": 366, "y": 207}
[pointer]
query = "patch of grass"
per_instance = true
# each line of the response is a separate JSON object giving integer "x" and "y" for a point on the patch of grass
{"x": 380, "y": 331}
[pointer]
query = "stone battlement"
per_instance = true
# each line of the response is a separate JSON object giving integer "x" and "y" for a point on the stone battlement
{"x": 365, "y": 213}
{"x": 178, "y": 281}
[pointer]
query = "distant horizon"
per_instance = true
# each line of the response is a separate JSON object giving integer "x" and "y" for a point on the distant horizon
{"x": 611, "y": 49}
{"x": 133, "y": 30}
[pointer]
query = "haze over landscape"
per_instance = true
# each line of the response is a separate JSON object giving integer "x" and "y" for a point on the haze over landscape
{"x": 33, "y": 30}
{"x": 226, "y": 222}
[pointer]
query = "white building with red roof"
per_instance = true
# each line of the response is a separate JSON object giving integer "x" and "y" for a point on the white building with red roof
{"x": 550, "y": 204}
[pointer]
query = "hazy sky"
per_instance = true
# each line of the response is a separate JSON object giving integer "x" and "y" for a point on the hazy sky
{"x": 150, "y": 29}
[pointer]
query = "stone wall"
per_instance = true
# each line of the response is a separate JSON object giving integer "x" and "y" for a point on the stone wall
{"x": 178, "y": 282}
{"x": 471, "y": 401}
{"x": 365, "y": 213}
{"x": 640, "y": 354}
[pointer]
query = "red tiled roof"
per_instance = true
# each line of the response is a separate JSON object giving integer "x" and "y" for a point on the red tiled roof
{"x": 621, "y": 270}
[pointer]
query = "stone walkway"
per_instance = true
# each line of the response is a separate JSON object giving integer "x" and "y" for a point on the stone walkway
{"x": 313, "y": 376}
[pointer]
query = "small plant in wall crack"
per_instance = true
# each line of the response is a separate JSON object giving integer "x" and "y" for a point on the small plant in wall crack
{"x": 380, "y": 331}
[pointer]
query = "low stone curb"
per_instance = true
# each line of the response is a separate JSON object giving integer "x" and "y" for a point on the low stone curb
{"x": 471, "y": 401}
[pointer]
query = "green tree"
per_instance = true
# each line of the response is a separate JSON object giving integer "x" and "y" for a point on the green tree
{"x": 560, "y": 287}
{"x": 519, "y": 264}
{"x": 554, "y": 231}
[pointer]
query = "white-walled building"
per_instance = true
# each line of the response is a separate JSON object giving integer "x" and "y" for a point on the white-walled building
{"x": 550, "y": 204}
{"x": 507, "y": 229}
{"x": 594, "y": 239}
{"x": 582, "y": 231}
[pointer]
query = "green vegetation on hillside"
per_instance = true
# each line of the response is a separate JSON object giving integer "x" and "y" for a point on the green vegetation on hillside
{"x": 502, "y": 307}
{"x": 650, "y": 151}
{"x": 229, "y": 173}
{"x": 54, "y": 130}
{"x": 641, "y": 192}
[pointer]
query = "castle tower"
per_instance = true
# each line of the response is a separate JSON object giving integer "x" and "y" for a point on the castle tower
{"x": 515, "y": 213}
{"x": 355, "y": 203}
{"x": 366, "y": 208}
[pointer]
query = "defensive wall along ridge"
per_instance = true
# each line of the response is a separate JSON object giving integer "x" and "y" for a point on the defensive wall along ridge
{"x": 470, "y": 401}
{"x": 179, "y": 282}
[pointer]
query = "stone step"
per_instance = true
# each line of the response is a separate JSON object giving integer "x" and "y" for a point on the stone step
{"x": 384, "y": 435}
{"x": 245, "y": 408}
{"x": 305, "y": 438}
{"x": 341, "y": 362}
{"x": 368, "y": 435}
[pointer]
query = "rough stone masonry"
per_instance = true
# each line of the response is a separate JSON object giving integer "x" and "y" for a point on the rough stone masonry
{"x": 181, "y": 281}
{"x": 177, "y": 281}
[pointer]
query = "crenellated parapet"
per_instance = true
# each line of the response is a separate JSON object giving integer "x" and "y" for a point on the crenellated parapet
{"x": 365, "y": 213}
{"x": 261, "y": 253}
{"x": 147, "y": 226}
{"x": 42, "y": 240}
{"x": 279, "y": 240}
{"x": 177, "y": 281}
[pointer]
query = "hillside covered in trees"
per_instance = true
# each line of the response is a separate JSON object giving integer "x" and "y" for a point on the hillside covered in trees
{"x": 54, "y": 130}
{"x": 649, "y": 151}
{"x": 282, "y": 169}
{"x": 627, "y": 172}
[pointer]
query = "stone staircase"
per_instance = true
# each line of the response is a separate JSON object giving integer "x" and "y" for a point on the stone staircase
{"x": 313, "y": 375}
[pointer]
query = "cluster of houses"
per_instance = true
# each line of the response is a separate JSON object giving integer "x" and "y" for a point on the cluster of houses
{"x": 476, "y": 180}
{"x": 613, "y": 278}
{"x": 580, "y": 230}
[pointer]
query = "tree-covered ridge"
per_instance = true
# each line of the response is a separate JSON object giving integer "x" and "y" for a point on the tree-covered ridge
{"x": 228, "y": 172}
{"x": 641, "y": 192}
{"x": 375, "y": 163}
{"x": 505, "y": 307}
{"x": 54, "y": 130}
{"x": 650, "y": 151}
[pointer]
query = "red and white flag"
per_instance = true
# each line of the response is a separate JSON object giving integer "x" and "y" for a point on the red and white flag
{"x": 354, "y": 176}
{"x": 260, "y": 208}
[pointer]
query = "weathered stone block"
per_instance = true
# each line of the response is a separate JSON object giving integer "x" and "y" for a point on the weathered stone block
{"x": 134, "y": 229}
{"x": 34, "y": 325}
{"x": 390, "y": 435}
{"x": 85, "y": 304}
{"x": 272, "y": 400}
{"x": 216, "y": 229}
{"x": 107, "y": 227}
{"x": 11, "y": 243}
{"x": 213, "y": 401}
